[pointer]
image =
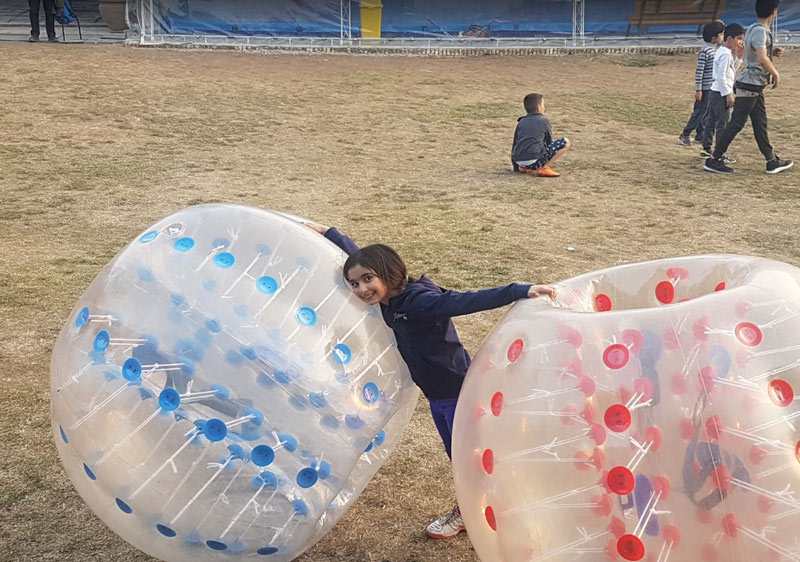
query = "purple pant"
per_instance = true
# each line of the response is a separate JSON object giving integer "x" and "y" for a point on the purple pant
{"x": 443, "y": 412}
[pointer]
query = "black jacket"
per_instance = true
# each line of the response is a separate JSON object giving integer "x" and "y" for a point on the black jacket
{"x": 531, "y": 138}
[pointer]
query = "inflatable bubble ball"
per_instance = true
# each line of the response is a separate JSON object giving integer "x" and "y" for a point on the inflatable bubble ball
{"x": 651, "y": 416}
{"x": 219, "y": 393}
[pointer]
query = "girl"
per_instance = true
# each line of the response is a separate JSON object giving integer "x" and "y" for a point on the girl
{"x": 419, "y": 312}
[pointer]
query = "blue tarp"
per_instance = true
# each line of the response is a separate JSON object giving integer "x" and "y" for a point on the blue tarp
{"x": 426, "y": 18}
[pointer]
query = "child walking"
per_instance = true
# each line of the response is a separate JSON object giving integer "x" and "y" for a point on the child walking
{"x": 727, "y": 61}
{"x": 534, "y": 148}
{"x": 419, "y": 312}
{"x": 749, "y": 91}
{"x": 703, "y": 76}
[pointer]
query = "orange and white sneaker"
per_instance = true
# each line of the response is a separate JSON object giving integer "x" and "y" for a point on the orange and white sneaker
{"x": 447, "y": 526}
{"x": 547, "y": 172}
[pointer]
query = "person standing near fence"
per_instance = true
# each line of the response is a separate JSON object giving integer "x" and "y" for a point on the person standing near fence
{"x": 703, "y": 77}
{"x": 49, "y": 19}
{"x": 749, "y": 90}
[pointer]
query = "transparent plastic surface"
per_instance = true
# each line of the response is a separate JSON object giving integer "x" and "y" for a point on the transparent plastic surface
{"x": 649, "y": 415}
{"x": 218, "y": 391}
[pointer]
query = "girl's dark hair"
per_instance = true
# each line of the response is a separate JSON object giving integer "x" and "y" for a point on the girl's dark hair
{"x": 381, "y": 259}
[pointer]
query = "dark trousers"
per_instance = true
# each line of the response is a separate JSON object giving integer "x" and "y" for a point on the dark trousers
{"x": 716, "y": 120}
{"x": 744, "y": 107}
{"x": 49, "y": 17}
{"x": 696, "y": 120}
{"x": 443, "y": 411}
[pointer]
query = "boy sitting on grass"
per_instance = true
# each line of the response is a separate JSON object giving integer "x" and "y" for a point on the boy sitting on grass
{"x": 534, "y": 148}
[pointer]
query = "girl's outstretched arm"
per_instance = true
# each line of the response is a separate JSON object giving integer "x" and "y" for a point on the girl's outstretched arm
{"x": 430, "y": 304}
{"x": 344, "y": 242}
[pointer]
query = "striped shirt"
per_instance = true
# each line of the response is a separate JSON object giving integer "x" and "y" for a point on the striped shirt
{"x": 704, "y": 75}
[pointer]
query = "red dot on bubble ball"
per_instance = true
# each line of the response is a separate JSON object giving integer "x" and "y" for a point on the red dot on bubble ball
{"x": 582, "y": 463}
{"x": 709, "y": 553}
{"x": 721, "y": 479}
{"x": 602, "y": 505}
{"x": 687, "y": 428}
{"x": 757, "y": 454}
{"x": 662, "y": 486}
{"x": 780, "y": 392}
{"x": 720, "y": 287}
{"x": 617, "y": 527}
{"x": 633, "y": 339}
{"x": 704, "y": 516}
{"x": 497, "y": 403}
{"x": 678, "y": 273}
{"x": 765, "y": 504}
{"x": 602, "y": 303}
{"x": 617, "y": 418}
{"x": 707, "y": 379}
{"x": 490, "y": 518}
{"x": 515, "y": 350}
{"x": 643, "y": 386}
{"x": 797, "y": 451}
{"x": 630, "y": 547}
{"x": 488, "y": 461}
{"x": 714, "y": 428}
{"x": 620, "y": 480}
{"x": 570, "y": 334}
{"x": 588, "y": 413}
{"x": 731, "y": 525}
{"x": 670, "y": 339}
{"x": 701, "y": 328}
{"x": 653, "y": 435}
{"x": 568, "y": 415}
{"x": 616, "y": 356}
{"x": 597, "y": 433}
{"x": 678, "y": 384}
{"x": 665, "y": 292}
{"x": 587, "y": 386}
{"x": 748, "y": 333}
{"x": 672, "y": 534}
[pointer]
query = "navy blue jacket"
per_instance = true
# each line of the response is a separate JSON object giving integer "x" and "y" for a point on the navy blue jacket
{"x": 426, "y": 337}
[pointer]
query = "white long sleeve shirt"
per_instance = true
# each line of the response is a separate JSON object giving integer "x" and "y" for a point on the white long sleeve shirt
{"x": 725, "y": 66}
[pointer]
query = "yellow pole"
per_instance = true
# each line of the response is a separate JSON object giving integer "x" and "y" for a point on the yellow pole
{"x": 371, "y": 11}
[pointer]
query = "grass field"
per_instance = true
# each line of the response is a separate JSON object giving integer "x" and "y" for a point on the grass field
{"x": 97, "y": 143}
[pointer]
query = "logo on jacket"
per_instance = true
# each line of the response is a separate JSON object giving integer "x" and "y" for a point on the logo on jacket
{"x": 400, "y": 316}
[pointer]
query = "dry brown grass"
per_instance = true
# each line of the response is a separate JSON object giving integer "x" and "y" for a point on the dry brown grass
{"x": 99, "y": 142}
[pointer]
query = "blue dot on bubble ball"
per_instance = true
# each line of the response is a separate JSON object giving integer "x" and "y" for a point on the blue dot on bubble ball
{"x": 307, "y": 477}
{"x": 342, "y": 354}
{"x": 306, "y": 316}
{"x": 184, "y": 244}
{"x": 267, "y": 285}
{"x": 224, "y": 260}
{"x": 148, "y": 236}
{"x": 370, "y": 393}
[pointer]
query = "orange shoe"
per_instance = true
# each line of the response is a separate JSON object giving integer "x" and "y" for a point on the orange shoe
{"x": 524, "y": 170}
{"x": 547, "y": 172}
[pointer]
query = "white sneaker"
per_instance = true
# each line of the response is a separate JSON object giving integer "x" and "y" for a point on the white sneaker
{"x": 447, "y": 526}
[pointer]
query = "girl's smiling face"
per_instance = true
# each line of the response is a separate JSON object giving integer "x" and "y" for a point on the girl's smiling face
{"x": 367, "y": 286}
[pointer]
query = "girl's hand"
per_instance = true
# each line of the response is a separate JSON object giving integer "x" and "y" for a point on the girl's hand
{"x": 321, "y": 229}
{"x": 777, "y": 52}
{"x": 541, "y": 290}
